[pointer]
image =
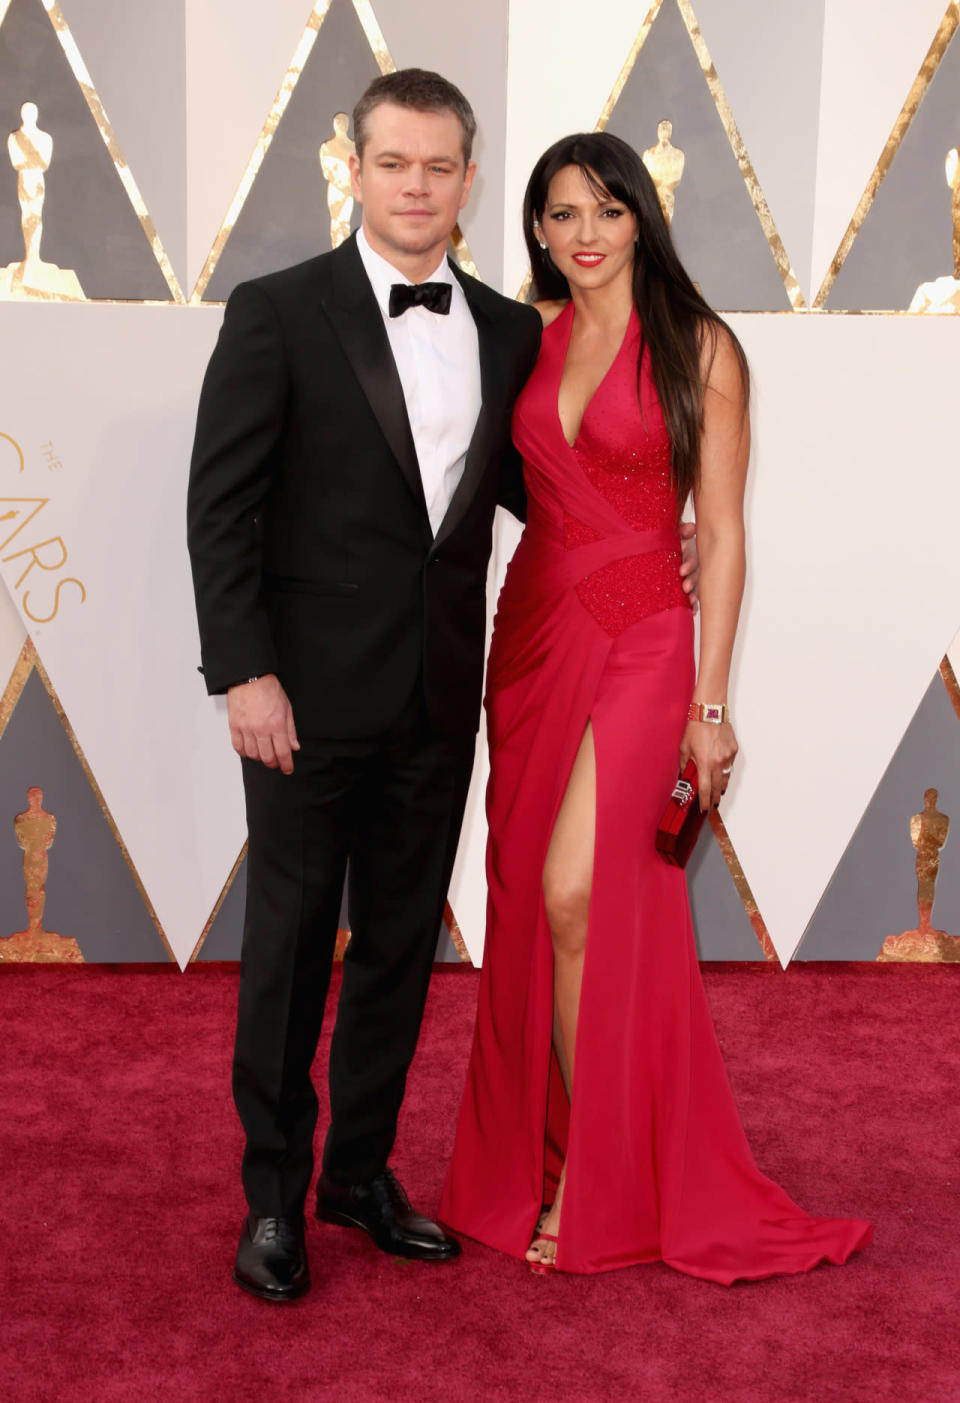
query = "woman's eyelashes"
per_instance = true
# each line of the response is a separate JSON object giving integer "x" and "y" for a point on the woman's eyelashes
{"x": 562, "y": 215}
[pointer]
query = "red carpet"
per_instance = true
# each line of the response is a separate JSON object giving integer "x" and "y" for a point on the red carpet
{"x": 121, "y": 1208}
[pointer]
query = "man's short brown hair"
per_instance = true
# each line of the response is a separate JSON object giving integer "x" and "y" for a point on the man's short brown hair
{"x": 420, "y": 90}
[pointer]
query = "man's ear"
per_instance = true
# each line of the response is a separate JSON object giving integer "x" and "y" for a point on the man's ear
{"x": 356, "y": 183}
{"x": 468, "y": 175}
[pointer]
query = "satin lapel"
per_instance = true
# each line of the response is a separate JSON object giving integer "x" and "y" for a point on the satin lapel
{"x": 355, "y": 316}
{"x": 493, "y": 406}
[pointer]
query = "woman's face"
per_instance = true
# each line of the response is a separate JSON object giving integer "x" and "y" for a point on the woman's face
{"x": 591, "y": 238}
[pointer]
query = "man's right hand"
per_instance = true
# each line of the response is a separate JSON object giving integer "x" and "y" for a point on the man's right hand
{"x": 261, "y": 722}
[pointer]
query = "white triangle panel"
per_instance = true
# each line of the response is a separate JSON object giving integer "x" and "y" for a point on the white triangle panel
{"x": 468, "y": 885}
{"x": 135, "y": 57}
{"x": 850, "y": 593}
{"x": 237, "y": 57}
{"x": 12, "y": 637}
{"x": 12, "y": 632}
{"x": 768, "y": 59}
{"x": 559, "y": 76}
{"x": 117, "y": 398}
{"x": 871, "y": 55}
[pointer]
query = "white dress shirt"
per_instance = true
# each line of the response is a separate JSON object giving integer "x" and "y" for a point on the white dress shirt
{"x": 438, "y": 360}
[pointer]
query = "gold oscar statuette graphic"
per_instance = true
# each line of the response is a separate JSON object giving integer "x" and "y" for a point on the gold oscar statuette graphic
{"x": 31, "y": 151}
{"x": 942, "y": 295}
{"x": 928, "y": 833}
{"x": 335, "y": 164}
{"x": 665, "y": 163}
{"x": 35, "y": 830}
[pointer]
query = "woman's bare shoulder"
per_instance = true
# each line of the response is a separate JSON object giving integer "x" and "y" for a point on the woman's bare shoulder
{"x": 549, "y": 311}
{"x": 722, "y": 361}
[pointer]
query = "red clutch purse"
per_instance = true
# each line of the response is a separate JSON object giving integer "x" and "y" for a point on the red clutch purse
{"x": 682, "y": 820}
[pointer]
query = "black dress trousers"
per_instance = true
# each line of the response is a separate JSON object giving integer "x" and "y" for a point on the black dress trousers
{"x": 392, "y": 806}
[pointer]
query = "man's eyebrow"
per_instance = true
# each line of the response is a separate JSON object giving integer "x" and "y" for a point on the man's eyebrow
{"x": 401, "y": 156}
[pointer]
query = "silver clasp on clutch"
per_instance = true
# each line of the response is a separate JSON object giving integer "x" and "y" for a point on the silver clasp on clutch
{"x": 683, "y": 791}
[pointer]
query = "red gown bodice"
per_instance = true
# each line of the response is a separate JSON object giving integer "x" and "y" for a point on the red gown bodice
{"x": 623, "y": 454}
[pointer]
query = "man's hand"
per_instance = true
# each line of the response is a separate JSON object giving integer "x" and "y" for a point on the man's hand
{"x": 690, "y": 562}
{"x": 261, "y": 722}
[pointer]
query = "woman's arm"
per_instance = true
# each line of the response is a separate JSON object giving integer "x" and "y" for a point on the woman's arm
{"x": 725, "y": 449}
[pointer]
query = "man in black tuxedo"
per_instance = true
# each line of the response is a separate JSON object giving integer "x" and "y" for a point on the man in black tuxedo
{"x": 352, "y": 444}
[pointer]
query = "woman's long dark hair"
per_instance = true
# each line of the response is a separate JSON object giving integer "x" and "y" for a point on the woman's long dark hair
{"x": 676, "y": 323}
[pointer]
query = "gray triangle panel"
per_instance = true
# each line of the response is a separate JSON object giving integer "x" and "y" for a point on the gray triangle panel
{"x": 446, "y": 951}
{"x": 715, "y": 227}
{"x": 225, "y": 936}
{"x": 91, "y": 894}
{"x": 873, "y": 892}
{"x": 907, "y": 236}
{"x": 89, "y": 224}
{"x": 721, "y": 925}
{"x": 285, "y": 219}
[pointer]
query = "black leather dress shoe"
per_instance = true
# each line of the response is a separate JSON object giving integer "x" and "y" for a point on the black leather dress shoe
{"x": 272, "y": 1259}
{"x": 382, "y": 1209}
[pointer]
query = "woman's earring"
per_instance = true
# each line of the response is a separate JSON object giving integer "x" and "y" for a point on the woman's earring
{"x": 542, "y": 243}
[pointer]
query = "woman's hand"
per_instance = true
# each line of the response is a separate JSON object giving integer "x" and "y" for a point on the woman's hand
{"x": 713, "y": 749}
{"x": 690, "y": 563}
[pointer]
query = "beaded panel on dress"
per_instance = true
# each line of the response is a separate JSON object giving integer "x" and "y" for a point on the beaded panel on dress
{"x": 623, "y": 448}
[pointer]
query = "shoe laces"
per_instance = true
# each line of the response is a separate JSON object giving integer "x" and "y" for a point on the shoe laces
{"x": 388, "y": 1189}
{"x": 277, "y": 1230}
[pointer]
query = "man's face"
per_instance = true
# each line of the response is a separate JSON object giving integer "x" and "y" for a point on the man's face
{"x": 412, "y": 181}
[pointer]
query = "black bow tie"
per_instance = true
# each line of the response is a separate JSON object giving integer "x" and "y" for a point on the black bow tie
{"x": 434, "y": 296}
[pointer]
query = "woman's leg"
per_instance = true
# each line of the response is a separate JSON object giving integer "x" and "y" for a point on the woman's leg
{"x": 567, "y": 882}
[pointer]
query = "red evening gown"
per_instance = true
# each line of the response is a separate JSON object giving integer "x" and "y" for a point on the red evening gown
{"x": 592, "y": 624}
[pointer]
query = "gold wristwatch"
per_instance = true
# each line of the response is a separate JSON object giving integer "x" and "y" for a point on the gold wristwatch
{"x": 717, "y": 712}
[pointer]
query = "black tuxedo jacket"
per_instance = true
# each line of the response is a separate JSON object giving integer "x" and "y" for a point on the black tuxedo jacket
{"x": 311, "y": 548}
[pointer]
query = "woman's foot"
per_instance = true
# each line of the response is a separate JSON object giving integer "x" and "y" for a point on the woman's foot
{"x": 542, "y": 1251}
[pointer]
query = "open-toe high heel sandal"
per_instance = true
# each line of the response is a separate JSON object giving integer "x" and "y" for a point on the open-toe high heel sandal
{"x": 543, "y": 1268}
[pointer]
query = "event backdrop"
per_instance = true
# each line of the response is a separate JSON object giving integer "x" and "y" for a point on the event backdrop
{"x": 154, "y": 156}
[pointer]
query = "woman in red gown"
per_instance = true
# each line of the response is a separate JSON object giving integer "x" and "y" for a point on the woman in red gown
{"x": 596, "y": 1085}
